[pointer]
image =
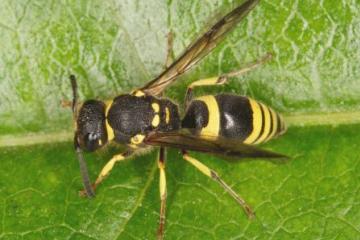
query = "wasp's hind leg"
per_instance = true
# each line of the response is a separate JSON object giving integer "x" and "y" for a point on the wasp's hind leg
{"x": 107, "y": 169}
{"x": 219, "y": 80}
{"x": 162, "y": 186}
{"x": 212, "y": 174}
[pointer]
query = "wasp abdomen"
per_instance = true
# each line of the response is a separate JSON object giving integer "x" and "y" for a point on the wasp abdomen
{"x": 232, "y": 116}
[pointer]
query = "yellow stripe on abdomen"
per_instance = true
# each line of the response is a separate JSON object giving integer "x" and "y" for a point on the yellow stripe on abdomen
{"x": 110, "y": 131}
{"x": 256, "y": 122}
{"x": 267, "y": 122}
{"x": 274, "y": 124}
{"x": 213, "y": 126}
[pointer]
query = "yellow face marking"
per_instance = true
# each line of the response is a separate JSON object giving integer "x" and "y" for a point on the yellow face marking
{"x": 274, "y": 124}
{"x": 213, "y": 126}
{"x": 137, "y": 139}
{"x": 257, "y": 122}
{"x": 109, "y": 130}
{"x": 155, "y": 107}
{"x": 156, "y": 120}
{"x": 267, "y": 122}
{"x": 167, "y": 115}
{"x": 138, "y": 93}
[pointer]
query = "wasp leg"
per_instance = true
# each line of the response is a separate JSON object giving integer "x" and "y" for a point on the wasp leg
{"x": 169, "y": 50}
{"x": 219, "y": 80}
{"x": 212, "y": 174}
{"x": 162, "y": 186}
{"x": 107, "y": 169}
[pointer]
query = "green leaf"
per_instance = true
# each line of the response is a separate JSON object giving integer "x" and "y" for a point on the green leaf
{"x": 315, "y": 195}
{"x": 115, "y": 46}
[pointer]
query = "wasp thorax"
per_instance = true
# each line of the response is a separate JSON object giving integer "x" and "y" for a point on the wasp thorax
{"x": 91, "y": 128}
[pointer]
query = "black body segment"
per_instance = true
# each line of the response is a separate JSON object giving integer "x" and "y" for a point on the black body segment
{"x": 236, "y": 118}
{"x": 130, "y": 115}
{"x": 196, "y": 117}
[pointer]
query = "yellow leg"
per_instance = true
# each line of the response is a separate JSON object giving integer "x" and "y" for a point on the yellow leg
{"x": 219, "y": 80}
{"x": 212, "y": 174}
{"x": 162, "y": 187}
{"x": 107, "y": 169}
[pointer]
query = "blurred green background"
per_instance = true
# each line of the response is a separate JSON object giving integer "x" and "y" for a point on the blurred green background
{"x": 114, "y": 46}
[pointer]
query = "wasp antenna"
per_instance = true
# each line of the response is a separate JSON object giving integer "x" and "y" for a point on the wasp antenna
{"x": 83, "y": 168}
{"x": 74, "y": 89}
{"x": 84, "y": 174}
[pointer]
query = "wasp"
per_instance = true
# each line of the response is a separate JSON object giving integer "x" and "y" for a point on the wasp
{"x": 223, "y": 124}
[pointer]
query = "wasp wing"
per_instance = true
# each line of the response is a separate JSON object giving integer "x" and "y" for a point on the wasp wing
{"x": 199, "y": 49}
{"x": 216, "y": 145}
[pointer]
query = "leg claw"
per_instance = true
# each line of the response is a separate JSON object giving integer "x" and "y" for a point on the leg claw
{"x": 83, "y": 193}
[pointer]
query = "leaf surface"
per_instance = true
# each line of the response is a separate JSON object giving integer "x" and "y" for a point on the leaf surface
{"x": 117, "y": 45}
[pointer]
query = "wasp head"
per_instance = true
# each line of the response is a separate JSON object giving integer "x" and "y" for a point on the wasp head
{"x": 91, "y": 131}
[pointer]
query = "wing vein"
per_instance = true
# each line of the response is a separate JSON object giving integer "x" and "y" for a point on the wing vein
{"x": 199, "y": 49}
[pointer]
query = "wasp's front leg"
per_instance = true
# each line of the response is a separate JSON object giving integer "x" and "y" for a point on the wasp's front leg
{"x": 107, "y": 169}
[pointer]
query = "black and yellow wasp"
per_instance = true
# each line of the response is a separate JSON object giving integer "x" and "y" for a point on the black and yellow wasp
{"x": 223, "y": 124}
